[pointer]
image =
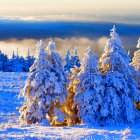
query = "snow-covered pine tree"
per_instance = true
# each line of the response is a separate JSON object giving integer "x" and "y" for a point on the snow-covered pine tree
{"x": 29, "y": 61}
{"x": 22, "y": 64}
{"x": 89, "y": 89}
{"x": 45, "y": 89}
{"x": 4, "y": 62}
{"x": 16, "y": 63}
{"x": 136, "y": 64}
{"x": 12, "y": 62}
{"x": 13, "y": 55}
{"x": 120, "y": 88}
{"x": 68, "y": 64}
{"x": 75, "y": 61}
{"x": 19, "y": 63}
{"x": 72, "y": 61}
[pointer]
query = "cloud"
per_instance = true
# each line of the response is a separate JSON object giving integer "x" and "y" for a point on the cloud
{"x": 11, "y": 45}
{"x": 62, "y": 45}
{"x": 51, "y": 17}
{"x": 82, "y": 17}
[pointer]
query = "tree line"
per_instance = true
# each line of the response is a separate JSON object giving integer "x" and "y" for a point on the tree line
{"x": 16, "y": 63}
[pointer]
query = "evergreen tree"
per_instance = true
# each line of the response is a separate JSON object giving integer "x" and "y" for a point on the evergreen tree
{"x": 22, "y": 64}
{"x": 120, "y": 88}
{"x": 136, "y": 60}
{"x": 136, "y": 64}
{"x": 4, "y": 62}
{"x": 45, "y": 89}
{"x": 75, "y": 61}
{"x": 68, "y": 65}
{"x": 89, "y": 89}
{"x": 29, "y": 61}
{"x": 13, "y": 55}
{"x": 71, "y": 61}
{"x": 12, "y": 63}
{"x": 19, "y": 63}
{"x": 16, "y": 63}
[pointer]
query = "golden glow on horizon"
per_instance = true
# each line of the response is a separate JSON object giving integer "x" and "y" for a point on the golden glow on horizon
{"x": 39, "y": 7}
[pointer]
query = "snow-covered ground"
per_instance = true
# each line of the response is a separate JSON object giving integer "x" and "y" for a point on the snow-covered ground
{"x": 10, "y": 86}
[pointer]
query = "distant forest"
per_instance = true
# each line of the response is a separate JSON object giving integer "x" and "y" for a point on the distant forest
{"x": 16, "y": 63}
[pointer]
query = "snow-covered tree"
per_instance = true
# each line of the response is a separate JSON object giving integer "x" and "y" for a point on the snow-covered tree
{"x": 22, "y": 64}
{"x": 13, "y": 55}
{"x": 75, "y": 59}
{"x": 136, "y": 63}
{"x": 114, "y": 57}
{"x": 89, "y": 89}
{"x": 45, "y": 89}
{"x": 120, "y": 88}
{"x": 4, "y": 62}
{"x": 68, "y": 64}
{"x": 29, "y": 61}
{"x": 72, "y": 61}
{"x": 19, "y": 63}
{"x": 16, "y": 63}
{"x": 12, "y": 65}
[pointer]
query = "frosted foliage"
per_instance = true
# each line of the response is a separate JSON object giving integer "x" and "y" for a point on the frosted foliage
{"x": 40, "y": 49}
{"x": 68, "y": 64}
{"x": 136, "y": 58}
{"x": 51, "y": 46}
{"x": 136, "y": 64}
{"x": 118, "y": 105}
{"x": 89, "y": 89}
{"x": 120, "y": 88}
{"x": 114, "y": 57}
{"x": 75, "y": 61}
{"x": 45, "y": 88}
{"x": 114, "y": 35}
{"x": 71, "y": 61}
{"x": 16, "y": 63}
{"x": 138, "y": 45}
{"x": 41, "y": 60}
